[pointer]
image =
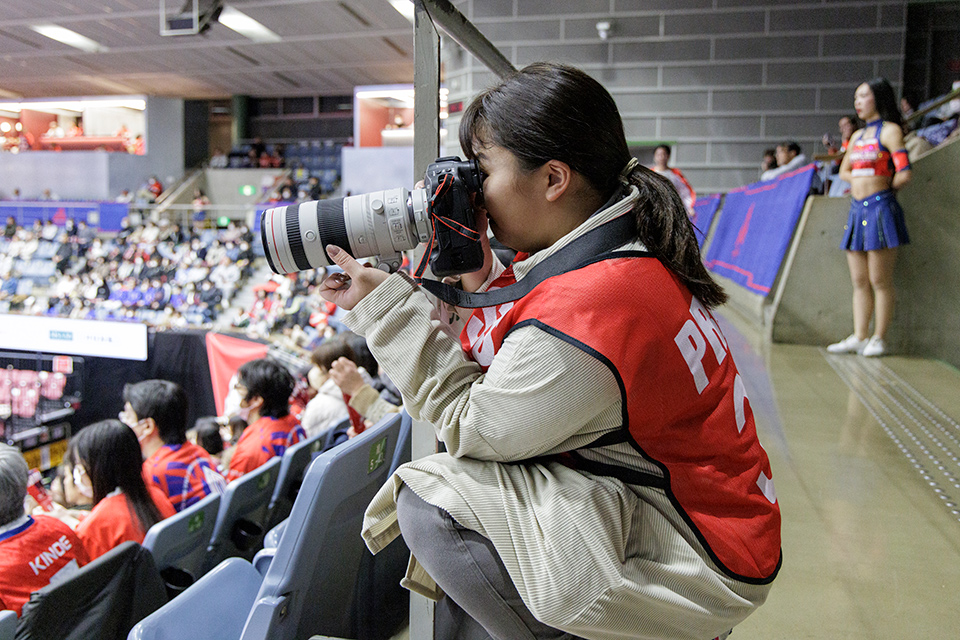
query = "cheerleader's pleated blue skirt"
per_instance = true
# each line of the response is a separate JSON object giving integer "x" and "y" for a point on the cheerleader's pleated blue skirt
{"x": 875, "y": 223}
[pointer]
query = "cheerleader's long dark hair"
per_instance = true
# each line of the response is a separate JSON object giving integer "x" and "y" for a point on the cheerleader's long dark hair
{"x": 549, "y": 111}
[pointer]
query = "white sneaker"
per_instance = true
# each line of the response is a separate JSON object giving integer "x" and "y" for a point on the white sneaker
{"x": 850, "y": 344}
{"x": 875, "y": 347}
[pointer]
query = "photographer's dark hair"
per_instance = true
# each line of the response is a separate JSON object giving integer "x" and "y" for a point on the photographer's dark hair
{"x": 272, "y": 382}
{"x": 165, "y": 402}
{"x": 549, "y": 111}
{"x": 885, "y": 100}
{"x": 110, "y": 453}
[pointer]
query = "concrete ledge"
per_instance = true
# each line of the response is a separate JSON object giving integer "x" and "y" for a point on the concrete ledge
{"x": 812, "y": 303}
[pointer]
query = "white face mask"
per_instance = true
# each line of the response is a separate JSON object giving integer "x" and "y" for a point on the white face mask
{"x": 82, "y": 488}
{"x": 244, "y": 413}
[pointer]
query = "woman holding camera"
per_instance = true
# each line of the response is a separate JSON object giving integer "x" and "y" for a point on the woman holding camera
{"x": 876, "y": 166}
{"x": 603, "y": 477}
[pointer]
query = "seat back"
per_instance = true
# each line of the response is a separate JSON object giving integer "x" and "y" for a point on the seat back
{"x": 401, "y": 454}
{"x": 103, "y": 600}
{"x": 242, "y": 514}
{"x": 8, "y": 624}
{"x": 181, "y": 541}
{"x": 215, "y": 607}
{"x": 378, "y": 579}
{"x": 293, "y": 464}
{"x": 311, "y": 583}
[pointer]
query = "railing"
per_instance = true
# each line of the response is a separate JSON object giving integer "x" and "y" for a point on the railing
{"x": 917, "y": 115}
{"x": 426, "y": 59}
{"x": 429, "y": 14}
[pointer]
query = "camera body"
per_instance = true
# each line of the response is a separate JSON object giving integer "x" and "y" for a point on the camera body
{"x": 383, "y": 224}
{"x": 453, "y": 252}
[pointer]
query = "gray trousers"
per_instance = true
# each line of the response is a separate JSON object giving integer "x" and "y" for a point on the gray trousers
{"x": 482, "y": 602}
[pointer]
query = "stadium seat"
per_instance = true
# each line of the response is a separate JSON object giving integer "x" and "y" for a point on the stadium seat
{"x": 380, "y": 575}
{"x": 310, "y": 586}
{"x": 214, "y": 607}
{"x": 103, "y": 600}
{"x": 181, "y": 541}
{"x": 401, "y": 455}
{"x": 293, "y": 464}
{"x": 8, "y": 624}
{"x": 242, "y": 514}
{"x": 323, "y": 535}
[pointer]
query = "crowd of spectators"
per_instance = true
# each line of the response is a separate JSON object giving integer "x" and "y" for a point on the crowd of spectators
{"x": 162, "y": 275}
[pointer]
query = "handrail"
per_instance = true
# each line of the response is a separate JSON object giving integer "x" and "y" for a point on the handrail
{"x": 428, "y": 14}
{"x": 916, "y": 115}
{"x": 449, "y": 18}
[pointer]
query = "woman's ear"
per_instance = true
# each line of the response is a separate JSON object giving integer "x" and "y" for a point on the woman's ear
{"x": 559, "y": 177}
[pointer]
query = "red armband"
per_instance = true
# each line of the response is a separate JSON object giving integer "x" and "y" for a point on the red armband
{"x": 900, "y": 160}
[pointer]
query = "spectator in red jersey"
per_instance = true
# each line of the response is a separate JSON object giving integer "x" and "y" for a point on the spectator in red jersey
{"x": 124, "y": 507}
{"x": 34, "y": 551}
{"x": 264, "y": 387}
{"x": 156, "y": 410}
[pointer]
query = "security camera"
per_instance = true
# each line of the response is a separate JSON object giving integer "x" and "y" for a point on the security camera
{"x": 603, "y": 30}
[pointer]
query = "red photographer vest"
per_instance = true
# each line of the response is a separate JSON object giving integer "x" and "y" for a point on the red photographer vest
{"x": 684, "y": 404}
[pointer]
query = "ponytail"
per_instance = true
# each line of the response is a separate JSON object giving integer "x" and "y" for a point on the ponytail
{"x": 548, "y": 111}
{"x": 665, "y": 229}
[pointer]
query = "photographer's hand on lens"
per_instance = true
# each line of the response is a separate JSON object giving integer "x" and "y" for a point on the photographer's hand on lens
{"x": 350, "y": 287}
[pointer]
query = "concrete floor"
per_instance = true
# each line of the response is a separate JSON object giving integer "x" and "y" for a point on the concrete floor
{"x": 865, "y": 460}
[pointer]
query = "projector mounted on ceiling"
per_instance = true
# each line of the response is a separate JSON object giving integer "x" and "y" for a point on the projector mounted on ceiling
{"x": 194, "y": 17}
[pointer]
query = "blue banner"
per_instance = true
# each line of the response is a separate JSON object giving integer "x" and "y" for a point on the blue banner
{"x": 104, "y": 216}
{"x": 755, "y": 228}
{"x": 703, "y": 211}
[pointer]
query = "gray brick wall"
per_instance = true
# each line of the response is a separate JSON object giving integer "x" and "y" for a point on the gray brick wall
{"x": 720, "y": 79}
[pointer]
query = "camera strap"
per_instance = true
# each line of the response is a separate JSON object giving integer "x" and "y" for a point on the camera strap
{"x": 588, "y": 248}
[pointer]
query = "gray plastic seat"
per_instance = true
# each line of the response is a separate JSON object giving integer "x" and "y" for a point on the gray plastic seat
{"x": 311, "y": 584}
{"x": 242, "y": 514}
{"x": 181, "y": 541}
{"x": 293, "y": 464}
{"x": 8, "y": 624}
{"x": 208, "y": 609}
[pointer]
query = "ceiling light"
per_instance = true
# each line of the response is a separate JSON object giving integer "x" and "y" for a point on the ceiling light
{"x": 405, "y": 7}
{"x": 66, "y": 36}
{"x": 5, "y": 127}
{"x": 403, "y": 95}
{"x": 138, "y": 104}
{"x": 246, "y": 26}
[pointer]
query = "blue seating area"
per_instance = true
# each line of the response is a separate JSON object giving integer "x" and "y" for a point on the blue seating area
{"x": 39, "y": 266}
{"x": 313, "y": 580}
{"x": 316, "y": 158}
{"x": 317, "y": 577}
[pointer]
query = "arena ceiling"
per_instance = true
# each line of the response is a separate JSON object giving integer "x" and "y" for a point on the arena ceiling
{"x": 322, "y": 47}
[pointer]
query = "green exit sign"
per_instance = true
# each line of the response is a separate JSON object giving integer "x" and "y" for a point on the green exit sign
{"x": 247, "y": 190}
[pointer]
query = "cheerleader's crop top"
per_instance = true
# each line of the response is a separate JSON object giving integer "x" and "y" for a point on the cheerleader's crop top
{"x": 868, "y": 156}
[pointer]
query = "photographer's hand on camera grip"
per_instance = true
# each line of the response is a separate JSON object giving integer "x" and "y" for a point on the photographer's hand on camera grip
{"x": 473, "y": 281}
{"x": 350, "y": 287}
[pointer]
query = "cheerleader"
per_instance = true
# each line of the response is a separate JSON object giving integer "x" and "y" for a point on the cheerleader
{"x": 876, "y": 166}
